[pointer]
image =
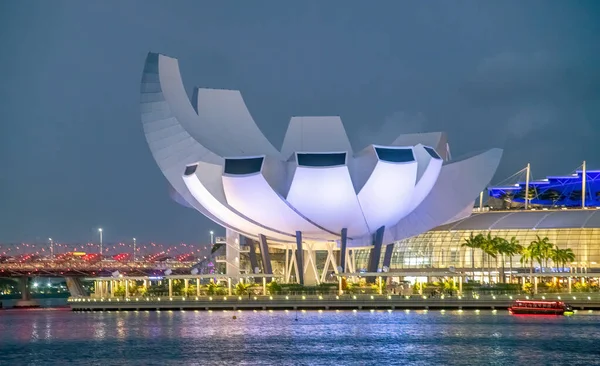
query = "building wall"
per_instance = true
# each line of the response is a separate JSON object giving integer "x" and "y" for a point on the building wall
{"x": 442, "y": 249}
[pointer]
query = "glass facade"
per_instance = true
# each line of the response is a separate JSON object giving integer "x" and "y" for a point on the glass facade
{"x": 443, "y": 249}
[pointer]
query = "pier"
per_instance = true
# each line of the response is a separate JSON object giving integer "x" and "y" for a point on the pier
{"x": 315, "y": 302}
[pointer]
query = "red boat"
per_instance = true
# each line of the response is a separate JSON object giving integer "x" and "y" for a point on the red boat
{"x": 540, "y": 307}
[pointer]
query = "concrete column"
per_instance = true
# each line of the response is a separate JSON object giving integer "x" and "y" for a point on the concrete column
{"x": 232, "y": 253}
{"x": 264, "y": 252}
{"x": 112, "y": 288}
{"x": 170, "y": 287}
{"x": 185, "y": 286}
{"x": 24, "y": 288}
{"x": 570, "y": 283}
{"x": 340, "y": 289}
{"x": 197, "y": 286}
{"x": 343, "y": 247}
{"x": 300, "y": 257}
{"x": 535, "y": 285}
{"x": 460, "y": 285}
{"x": 264, "y": 286}
{"x": 375, "y": 253}
{"x": 229, "y": 286}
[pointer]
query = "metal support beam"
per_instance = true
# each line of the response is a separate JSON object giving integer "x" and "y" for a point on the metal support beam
{"x": 375, "y": 252}
{"x": 343, "y": 247}
{"x": 266, "y": 257}
{"x": 299, "y": 257}
{"x": 387, "y": 257}
{"x": 252, "y": 254}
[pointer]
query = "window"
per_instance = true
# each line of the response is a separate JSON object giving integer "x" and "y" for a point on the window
{"x": 432, "y": 152}
{"x": 243, "y": 166}
{"x": 333, "y": 159}
{"x": 190, "y": 169}
{"x": 395, "y": 155}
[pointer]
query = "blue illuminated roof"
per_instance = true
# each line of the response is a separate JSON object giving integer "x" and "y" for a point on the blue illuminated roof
{"x": 554, "y": 190}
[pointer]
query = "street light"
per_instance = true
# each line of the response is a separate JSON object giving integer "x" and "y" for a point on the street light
{"x": 212, "y": 233}
{"x": 134, "y": 249}
{"x": 100, "y": 231}
{"x": 51, "y": 248}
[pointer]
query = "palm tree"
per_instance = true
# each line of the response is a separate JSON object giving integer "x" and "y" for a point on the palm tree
{"x": 490, "y": 248}
{"x": 473, "y": 242}
{"x": 562, "y": 256}
{"x": 527, "y": 257}
{"x": 543, "y": 249}
{"x": 503, "y": 247}
{"x": 512, "y": 248}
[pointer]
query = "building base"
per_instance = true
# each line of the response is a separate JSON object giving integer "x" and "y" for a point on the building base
{"x": 26, "y": 304}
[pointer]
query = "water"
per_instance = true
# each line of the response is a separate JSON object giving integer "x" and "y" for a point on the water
{"x": 62, "y": 337}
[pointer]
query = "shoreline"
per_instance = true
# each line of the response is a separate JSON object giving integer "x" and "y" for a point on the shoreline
{"x": 365, "y": 302}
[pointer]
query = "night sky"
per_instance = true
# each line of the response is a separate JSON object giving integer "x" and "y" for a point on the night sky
{"x": 521, "y": 75}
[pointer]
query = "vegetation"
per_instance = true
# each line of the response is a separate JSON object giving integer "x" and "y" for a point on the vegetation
{"x": 273, "y": 287}
{"x": 540, "y": 250}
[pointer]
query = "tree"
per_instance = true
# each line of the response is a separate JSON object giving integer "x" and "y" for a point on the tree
{"x": 473, "y": 242}
{"x": 490, "y": 248}
{"x": 512, "y": 248}
{"x": 542, "y": 249}
{"x": 562, "y": 256}
{"x": 527, "y": 257}
{"x": 503, "y": 247}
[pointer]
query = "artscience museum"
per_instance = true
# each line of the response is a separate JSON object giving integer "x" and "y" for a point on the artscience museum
{"x": 305, "y": 209}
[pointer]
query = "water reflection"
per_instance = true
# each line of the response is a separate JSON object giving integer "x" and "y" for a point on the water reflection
{"x": 324, "y": 338}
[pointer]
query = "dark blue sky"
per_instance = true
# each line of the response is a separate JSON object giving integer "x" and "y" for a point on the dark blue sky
{"x": 522, "y": 75}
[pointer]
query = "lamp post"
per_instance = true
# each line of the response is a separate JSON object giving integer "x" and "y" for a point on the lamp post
{"x": 212, "y": 233}
{"x": 51, "y": 248}
{"x": 134, "y": 249}
{"x": 100, "y": 231}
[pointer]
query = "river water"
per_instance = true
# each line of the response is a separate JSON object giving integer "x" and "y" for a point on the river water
{"x": 62, "y": 337}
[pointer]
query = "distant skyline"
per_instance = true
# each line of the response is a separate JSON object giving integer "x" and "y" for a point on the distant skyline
{"x": 522, "y": 76}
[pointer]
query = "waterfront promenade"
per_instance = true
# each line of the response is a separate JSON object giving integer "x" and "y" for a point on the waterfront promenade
{"x": 582, "y": 301}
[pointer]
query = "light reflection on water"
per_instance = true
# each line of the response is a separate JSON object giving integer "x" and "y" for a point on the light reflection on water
{"x": 275, "y": 338}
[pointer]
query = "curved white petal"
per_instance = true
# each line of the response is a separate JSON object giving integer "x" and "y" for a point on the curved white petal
{"x": 204, "y": 183}
{"x": 252, "y": 196}
{"x": 385, "y": 197}
{"x": 224, "y": 112}
{"x": 326, "y": 196}
{"x": 437, "y": 140}
{"x": 315, "y": 134}
{"x": 171, "y": 145}
{"x": 457, "y": 185}
{"x": 430, "y": 165}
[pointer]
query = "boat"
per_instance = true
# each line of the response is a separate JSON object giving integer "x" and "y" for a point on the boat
{"x": 540, "y": 307}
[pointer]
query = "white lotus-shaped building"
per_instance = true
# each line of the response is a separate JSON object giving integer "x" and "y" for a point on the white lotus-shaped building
{"x": 316, "y": 190}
